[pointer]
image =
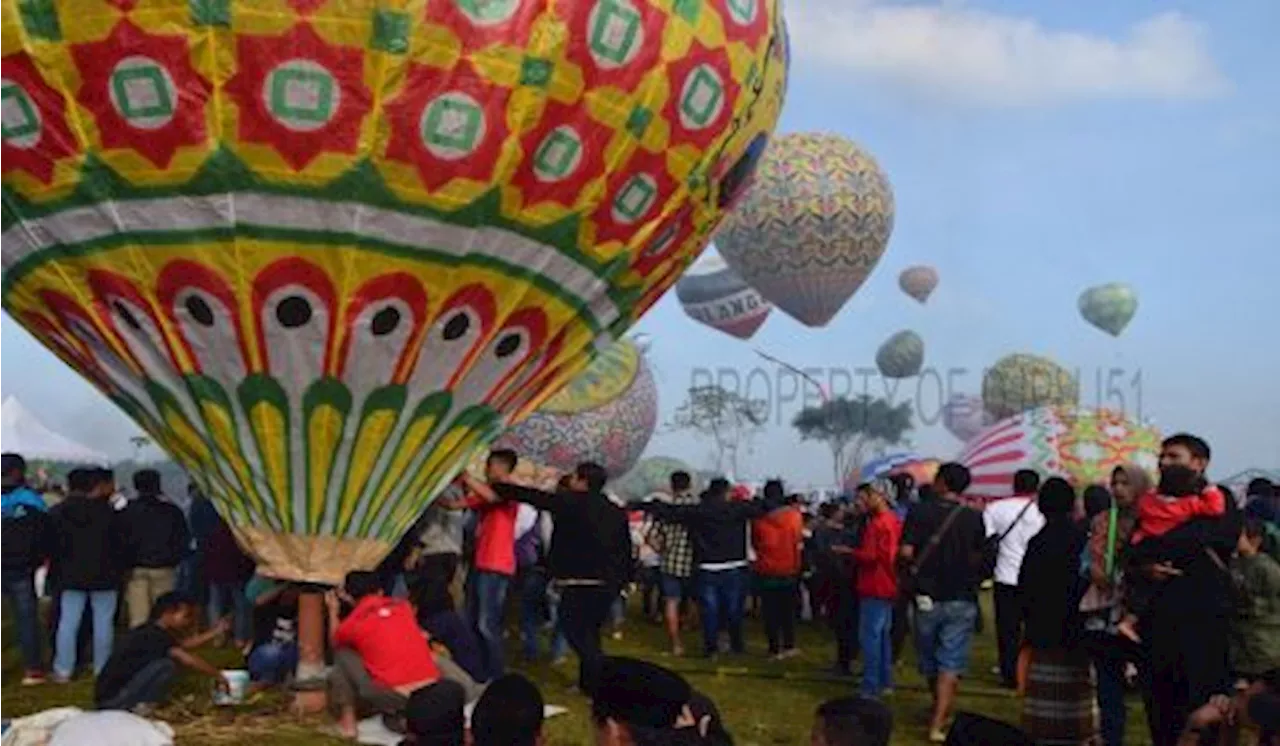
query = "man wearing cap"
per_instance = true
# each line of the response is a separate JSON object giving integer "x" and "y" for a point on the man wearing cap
{"x": 27, "y": 537}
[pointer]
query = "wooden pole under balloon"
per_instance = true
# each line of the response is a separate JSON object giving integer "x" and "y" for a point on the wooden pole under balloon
{"x": 311, "y": 696}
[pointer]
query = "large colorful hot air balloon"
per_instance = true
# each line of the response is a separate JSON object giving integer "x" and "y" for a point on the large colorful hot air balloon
{"x": 323, "y": 251}
{"x": 607, "y": 414}
{"x": 964, "y": 416}
{"x": 1020, "y": 382}
{"x": 1082, "y": 445}
{"x": 813, "y": 226}
{"x": 1109, "y": 307}
{"x": 712, "y": 293}
{"x": 901, "y": 356}
{"x": 918, "y": 282}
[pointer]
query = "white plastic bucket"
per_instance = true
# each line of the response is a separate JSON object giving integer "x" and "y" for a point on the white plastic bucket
{"x": 237, "y": 687}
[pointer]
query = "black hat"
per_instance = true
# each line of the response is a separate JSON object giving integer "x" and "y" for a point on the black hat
{"x": 636, "y": 692}
{"x": 434, "y": 714}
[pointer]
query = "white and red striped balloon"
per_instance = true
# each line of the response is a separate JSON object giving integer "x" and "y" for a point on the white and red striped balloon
{"x": 1083, "y": 446}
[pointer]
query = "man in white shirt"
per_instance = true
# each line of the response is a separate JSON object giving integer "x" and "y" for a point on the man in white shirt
{"x": 1017, "y": 519}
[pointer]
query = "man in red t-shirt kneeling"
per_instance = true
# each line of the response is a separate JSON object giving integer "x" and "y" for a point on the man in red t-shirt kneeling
{"x": 380, "y": 655}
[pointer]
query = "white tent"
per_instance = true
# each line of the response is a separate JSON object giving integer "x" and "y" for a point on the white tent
{"x": 22, "y": 433}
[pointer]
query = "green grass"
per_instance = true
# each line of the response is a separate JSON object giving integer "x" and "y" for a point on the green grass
{"x": 762, "y": 702}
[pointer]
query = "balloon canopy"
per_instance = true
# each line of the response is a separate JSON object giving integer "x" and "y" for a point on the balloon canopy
{"x": 813, "y": 226}
{"x": 323, "y": 253}
{"x": 652, "y": 475}
{"x": 918, "y": 281}
{"x": 901, "y": 356}
{"x": 607, "y": 414}
{"x": 713, "y": 294}
{"x": 1109, "y": 307}
{"x": 1020, "y": 382}
{"x": 921, "y": 469}
{"x": 1082, "y": 445}
{"x": 964, "y": 416}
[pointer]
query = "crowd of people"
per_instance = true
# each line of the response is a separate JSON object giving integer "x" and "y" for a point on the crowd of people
{"x": 1171, "y": 587}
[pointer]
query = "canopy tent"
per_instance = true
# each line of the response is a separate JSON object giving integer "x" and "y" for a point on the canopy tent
{"x": 1239, "y": 482}
{"x": 21, "y": 432}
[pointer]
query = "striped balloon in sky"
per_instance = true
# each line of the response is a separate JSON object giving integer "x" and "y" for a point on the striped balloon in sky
{"x": 1083, "y": 445}
{"x": 712, "y": 293}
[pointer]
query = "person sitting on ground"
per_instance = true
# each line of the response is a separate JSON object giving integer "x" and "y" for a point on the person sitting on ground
{"x": 274, "y": 655}
{"x": 380, "y": 656}
{"x": 1182, "y": 495}
{"x": 446, "y": 627}
{"x": 144, "y": 663}
{"x": 509, "y": 713}
{"x": 434, "y": 716}
{"x": 852, "y": 721}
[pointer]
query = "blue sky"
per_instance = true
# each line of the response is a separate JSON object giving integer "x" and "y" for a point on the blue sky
{"x": 1031, "y": 156}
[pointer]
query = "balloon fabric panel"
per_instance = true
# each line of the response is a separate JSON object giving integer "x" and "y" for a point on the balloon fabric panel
{"x": 323, "y": 250}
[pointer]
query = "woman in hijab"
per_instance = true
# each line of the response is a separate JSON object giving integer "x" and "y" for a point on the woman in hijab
{"x": 1060, "y": 708}
{"x": 1109, "y": 533}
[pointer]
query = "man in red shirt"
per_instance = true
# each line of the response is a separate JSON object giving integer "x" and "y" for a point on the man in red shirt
{"x": 495, "y": 560}
{"x": 877, "y": 588}
{"x": 380, "y": 655}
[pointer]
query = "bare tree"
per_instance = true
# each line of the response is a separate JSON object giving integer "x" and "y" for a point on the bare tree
{"x": 728, "y": 418}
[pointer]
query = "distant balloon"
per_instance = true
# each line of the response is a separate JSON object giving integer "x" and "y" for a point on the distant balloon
{"x": 964, "y": 416}
{"x": 712, "y": 293}
{"x": 1109, "y": 307}
{"x": 901, "y": 356}
{"x": 918, "y": 282}
{"x": 813, "y": 226}
{"x": 651, "y": 475}
{"x": 1020, "y": 382}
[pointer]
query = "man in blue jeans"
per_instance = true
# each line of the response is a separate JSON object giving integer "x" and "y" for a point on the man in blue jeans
{"x": 27, "y": 534}
{"x": 718, "y": 528}
{"x": 495, "y": 559}
{"x": 942, "y": 545}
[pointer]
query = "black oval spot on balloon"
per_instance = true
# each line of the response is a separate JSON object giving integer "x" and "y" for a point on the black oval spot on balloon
{"x": 384, "y": 321}
{"x": 199, "y": 310}
{"x": 456, "y": 326}
{"x": 507, "y": 345}
{"x": 125, "y": 315}
{"x": 293, "y": 312}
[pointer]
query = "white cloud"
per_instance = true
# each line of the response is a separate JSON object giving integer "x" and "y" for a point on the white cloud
{"x": 965, "y": 54}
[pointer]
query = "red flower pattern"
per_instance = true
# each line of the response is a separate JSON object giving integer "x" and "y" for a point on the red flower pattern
{"x": 464, "y": 112}
{"x": 143, "y": 91}
{"x": 39, "y": 137}
{"x": 299, "y": 94}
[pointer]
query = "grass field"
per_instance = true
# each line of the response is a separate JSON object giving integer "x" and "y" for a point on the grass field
{"x": 762, "y": 702}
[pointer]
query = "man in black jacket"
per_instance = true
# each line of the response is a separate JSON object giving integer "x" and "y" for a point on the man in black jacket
{"x": 155, "y": 537}
{"x": 87, "y": 551}
{"x": 27, "y": 533}
{"x": 590, "y": 556}
{"x": 718, "y": 528}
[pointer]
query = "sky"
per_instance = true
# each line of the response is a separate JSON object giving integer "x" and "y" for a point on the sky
{"x": 1034, "y": 149}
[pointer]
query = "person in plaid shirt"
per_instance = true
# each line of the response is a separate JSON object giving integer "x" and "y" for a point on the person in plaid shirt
{"x": 672, "y": 541}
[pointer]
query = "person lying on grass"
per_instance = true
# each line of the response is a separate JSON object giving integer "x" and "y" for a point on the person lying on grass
{"x": 138, "y": 673}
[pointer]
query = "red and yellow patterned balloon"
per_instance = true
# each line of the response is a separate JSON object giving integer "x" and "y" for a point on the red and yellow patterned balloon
{"x": 323, "y": 250}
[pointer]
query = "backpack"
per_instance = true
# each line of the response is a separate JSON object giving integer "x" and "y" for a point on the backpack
{"x": 528, "y": 549}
